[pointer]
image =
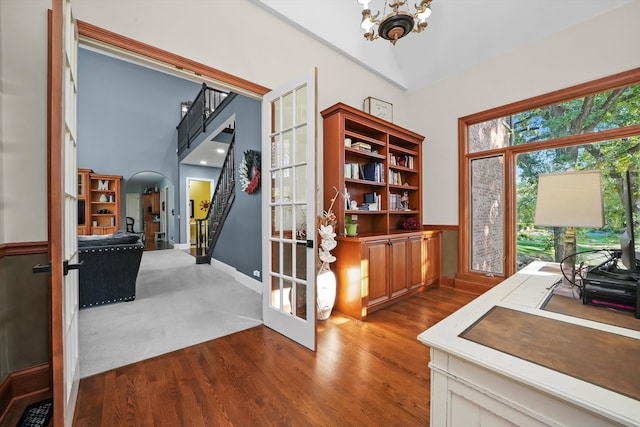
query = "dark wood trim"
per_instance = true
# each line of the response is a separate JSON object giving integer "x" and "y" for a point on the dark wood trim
{"x": 447, "y": 282}
{"x": 583, "y": 89}
{"x": 21, "y": 383}
{"x": 179, "y": 62}
{"x": 440, "y": 227}
{"x": 23, "y": 248}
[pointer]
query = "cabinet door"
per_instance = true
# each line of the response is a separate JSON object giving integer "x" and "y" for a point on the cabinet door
{"x": 376, "y": 258}
{"x": 431, "y": 258}
{"x": 398, "y": 260}
{"x": 155, "y": 202}
{"x": 415, "y": 267}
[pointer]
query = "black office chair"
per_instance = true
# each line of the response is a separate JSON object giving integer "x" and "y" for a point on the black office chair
{"x": 130, "y": 222}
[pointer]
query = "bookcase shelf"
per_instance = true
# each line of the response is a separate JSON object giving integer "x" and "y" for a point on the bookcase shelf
{"x": 395, "y": 151}
{"x": 98, "y": 202}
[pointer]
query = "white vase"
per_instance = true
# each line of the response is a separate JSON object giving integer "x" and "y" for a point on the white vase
{"x": 103, "y": 198}
{"x": 326, "y": 292}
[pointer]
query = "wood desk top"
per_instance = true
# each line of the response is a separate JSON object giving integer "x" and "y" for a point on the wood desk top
{"x": 582, "y": 352}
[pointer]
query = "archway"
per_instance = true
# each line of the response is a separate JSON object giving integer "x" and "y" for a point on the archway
{"x": 149, "y": 204}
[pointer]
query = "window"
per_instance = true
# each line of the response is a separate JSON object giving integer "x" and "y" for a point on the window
{"x": 595, "y": 125}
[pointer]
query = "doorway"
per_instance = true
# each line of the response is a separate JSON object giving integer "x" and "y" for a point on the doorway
{"x": 198, "y": 198}
{"x": 148, "y": 208}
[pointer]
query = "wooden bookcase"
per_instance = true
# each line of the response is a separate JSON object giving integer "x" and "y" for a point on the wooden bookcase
{"x": 397, "y": 151}
{"x": 374, "y": 163}
{"x": 100, "y": 196}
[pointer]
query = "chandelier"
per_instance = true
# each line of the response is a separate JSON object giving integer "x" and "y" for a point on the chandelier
{"x": 397, "y": 23}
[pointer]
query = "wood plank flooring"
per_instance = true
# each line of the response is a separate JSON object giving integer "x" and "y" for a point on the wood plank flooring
{"x": 363, "y": 374}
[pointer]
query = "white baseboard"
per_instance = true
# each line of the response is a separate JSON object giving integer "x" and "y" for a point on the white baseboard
{"x": 247, "y": 281}
{"x": 181, "y": 246}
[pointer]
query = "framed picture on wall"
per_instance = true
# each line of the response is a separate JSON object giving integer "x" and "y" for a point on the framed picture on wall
{"x": 191, "y": 208}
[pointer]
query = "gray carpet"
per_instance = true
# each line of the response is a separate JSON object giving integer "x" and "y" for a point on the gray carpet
{"x": 178, "y": 303}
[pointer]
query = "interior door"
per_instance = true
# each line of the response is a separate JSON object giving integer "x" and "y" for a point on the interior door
{"x": 63, "y": 211}
{"x": 289, "y": 209}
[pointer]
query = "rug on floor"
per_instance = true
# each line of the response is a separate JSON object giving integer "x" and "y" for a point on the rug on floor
{"x": 37, "y": 414}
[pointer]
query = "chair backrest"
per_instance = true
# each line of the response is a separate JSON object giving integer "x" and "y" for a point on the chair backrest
{"x": 130, "y": 222}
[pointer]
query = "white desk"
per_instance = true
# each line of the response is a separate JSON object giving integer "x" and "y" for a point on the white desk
{"x": 475, "y": 385}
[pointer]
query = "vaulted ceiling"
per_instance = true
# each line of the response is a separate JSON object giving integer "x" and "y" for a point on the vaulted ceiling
{"x": 460, "y": 33}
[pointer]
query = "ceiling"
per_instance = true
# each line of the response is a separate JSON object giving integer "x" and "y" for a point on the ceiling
{"x": 460, "y": 34}
{"x": 212, "y": 151}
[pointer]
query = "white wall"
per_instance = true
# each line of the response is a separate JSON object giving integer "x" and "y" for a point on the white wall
{"x": 602, "y": 47}
{"x": 23, "y": 120}
{"x": 235, "y": 36}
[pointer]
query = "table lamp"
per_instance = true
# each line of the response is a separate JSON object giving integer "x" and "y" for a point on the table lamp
{"x": 570, "y": 199}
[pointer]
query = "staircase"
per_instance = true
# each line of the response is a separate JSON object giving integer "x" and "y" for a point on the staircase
{"x": 208, "y": 229}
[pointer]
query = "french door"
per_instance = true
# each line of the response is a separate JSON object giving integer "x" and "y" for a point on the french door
{"x": 289, "y": 209}
{"x": 63, "y": 48}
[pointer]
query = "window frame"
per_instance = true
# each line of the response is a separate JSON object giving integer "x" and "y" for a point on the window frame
{"x": 464, "y": 161}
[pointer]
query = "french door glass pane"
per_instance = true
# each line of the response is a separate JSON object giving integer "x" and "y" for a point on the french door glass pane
{"x": 287, "y": 185}
{"x": 287, "y": 147}
{"x": 287, "y": 111}
{"x": 276, "y": 159}
{"x": 301, "y": 144}
{"x": 487, "y": 215}
{"x": 301, "y": 182}
{"x": 301, "y": 105}
{"x": 276, "y": 214}
{"x": 275, "y": 115}
{"x": 276, "y": 183}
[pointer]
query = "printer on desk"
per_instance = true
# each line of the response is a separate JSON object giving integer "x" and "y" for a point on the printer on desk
{"x": 609, "y": 286}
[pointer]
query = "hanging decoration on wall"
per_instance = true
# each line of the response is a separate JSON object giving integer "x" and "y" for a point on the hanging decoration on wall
{"x": 204, "y": 205}
{"x": 249, "y": 171}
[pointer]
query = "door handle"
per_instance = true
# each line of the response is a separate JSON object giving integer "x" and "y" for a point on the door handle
{"x": 310, "y": 243}
{"x": 42, "y": 268}
{"x": 66, "y": 266}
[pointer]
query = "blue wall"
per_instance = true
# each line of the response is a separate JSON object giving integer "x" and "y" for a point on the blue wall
{"x": 127, "y": 118}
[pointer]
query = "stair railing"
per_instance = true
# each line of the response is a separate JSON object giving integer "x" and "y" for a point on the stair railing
{"x": 194, "y": 122}
{"x": 208, "y": 228}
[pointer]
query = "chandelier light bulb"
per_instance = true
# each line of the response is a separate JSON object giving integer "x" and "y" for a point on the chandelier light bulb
{"x": 368, "y": 21}
{"x": 364, "y": 3}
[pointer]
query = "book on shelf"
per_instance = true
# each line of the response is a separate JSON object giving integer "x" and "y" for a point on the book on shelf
{"x": 374, "y": 171}
{"x": 395, "y": 178}
{"x": 361, "y": 146}
{"x": 353, "y": 171}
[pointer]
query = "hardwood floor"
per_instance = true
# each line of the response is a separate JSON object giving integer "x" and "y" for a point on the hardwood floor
{"x": 363, "y": 374}
{"x": 153, "y": 245}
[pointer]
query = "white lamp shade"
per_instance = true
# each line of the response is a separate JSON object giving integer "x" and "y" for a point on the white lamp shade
{"x": 570, "y": 199}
